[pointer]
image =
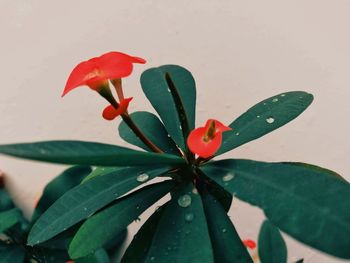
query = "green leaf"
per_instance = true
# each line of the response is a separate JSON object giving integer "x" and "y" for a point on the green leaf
{"x": 13, "y": 254}
{"x": 85, "y": 199}
{"x": 264, "y": 117}
{"x": 153, "y": 128}
{"x": 100, "y": 256}
{"x": 307, "y": 204}
{"x": 103, "y": 226}
{"x": 317, "y": 169}
{"x": 227, "y": 245}
{"x": 59, "y": 186}
{"x": 98, "y": 171}
{"x": 171, "y": 90}
{"x": 86, "y": 153}
{"x": 139, "y": 246}
{"x": 5, "y": 201}
{"x": 272, "y": 248}
{"x": 220, "y": 194}
{"x": 9, "y": 218}
{"x": 46, "y": 255}
{"x": 182, "y": 233}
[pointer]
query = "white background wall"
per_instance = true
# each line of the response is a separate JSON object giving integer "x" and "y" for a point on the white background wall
{"x": 240, "y": 52}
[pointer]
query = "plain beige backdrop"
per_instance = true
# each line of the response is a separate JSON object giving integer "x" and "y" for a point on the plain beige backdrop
{"x": 240, "y": 52}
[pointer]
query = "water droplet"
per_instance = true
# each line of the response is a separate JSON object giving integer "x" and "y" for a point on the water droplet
{"x": 180, "y": 127}
{"x": 228, "y": 177}
{"x": 137, "y": 207}
{"x": 237, "y": 133}
{"x": 142, "y": 178}
{"x": 270, "y": 120}
{"x": 42, "y": 151}
{"x": 169, "y": 90}
{"x": 152, "y": 258}
{"x": 258, "y": 116}
{"x": 195, "y": 191}
{"x": 224, "y": 230}
{"x": 184, "y": 201}
{"x": 189, "y": 217}
{"x": 282, "y": 95}
{"x": 264, "y": 103}
{"x": 85, "y": 208}
{"x": 169, "y": 135}
{"x": 275, "y": 100}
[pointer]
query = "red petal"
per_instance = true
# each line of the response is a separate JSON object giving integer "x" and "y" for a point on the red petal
{"x": 110, "y": 113}
{"x": 218, "y": 125}
{"x": 85, "y": 73}
{"x": 118, "y": 65}
{"x": 197, "y": 145}
{"x": 249, "y": 243}
{"x": 112, "y": 65}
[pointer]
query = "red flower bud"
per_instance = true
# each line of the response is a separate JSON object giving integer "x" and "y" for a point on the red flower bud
{"x": 96, "y": 72}
{"x": 110, "y": 113}
{"x": 249, "y": 243}
{"x": 205, "y": 141}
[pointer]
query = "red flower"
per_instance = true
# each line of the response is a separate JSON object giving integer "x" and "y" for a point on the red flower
{"x": 205, "y": 141}
{"x": 97, "y": 71}
{"x": 110, "y": 113}
{"x": 249, "y": 243}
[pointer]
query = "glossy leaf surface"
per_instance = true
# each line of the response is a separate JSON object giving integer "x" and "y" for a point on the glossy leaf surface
{"x": 171, "y": 90}
{"x": 85, "y": 199}
{"x": 182, "y": 233}
{"x": 227, "y": 245}
{"x": 103, "y": 226}
{"x": 272, "y": 248}
{"x": 59, "y": 186}
{"x": 139, "y": 246}
{"x": 264, "y": 117}
{"x": 86, "y": 153}
{"x": 309, "y": 205}
{"x": 153, "y": 128}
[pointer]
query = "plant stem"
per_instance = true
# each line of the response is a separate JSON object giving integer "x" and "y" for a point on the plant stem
{"x": 139, "y": 133}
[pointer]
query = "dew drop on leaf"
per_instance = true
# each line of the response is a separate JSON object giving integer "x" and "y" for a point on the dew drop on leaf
{"x": 184, "y": 201}
{"x": 270, "y": 120}
{"x": 189, "y": 217}
{"x": 224, "y": 230}
{"x": 275, "y": 100}
{"x": 142, "y": 178}
{"x": 237, "y": 133}
{"x": 282, "y": 95}
{"x": 228, "y": 177}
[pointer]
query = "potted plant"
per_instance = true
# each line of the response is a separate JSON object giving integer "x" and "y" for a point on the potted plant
{"x": 305, "y": 201}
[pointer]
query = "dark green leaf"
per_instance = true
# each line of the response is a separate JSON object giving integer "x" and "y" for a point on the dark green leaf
{"x": 300, "y": 261}
{"x": 46, "y": 255}
{"x": 86, "y": 153}
{"x": 85, "y": 199}
{"x": 171, "y": 90}
{"x": 272, "y": 248}
{"x": 227, "y": 245}
{"x": 305, "y": 203}
{"x": 220, "y": 194}
{"x": 98, "y": 171}
{"x": 139, "y": 246}
{"x": 9, "y": 218}
{"x": 5, "y": 201}
{"x": 59, "y": 186}
{"x": 100, "y": 256}
{"x": 317, "y": 169}
{"x": 153, "y": 128}
{"x": 182, "y": 233}
{"x": 265, "y": 117}
{"x": 13, "y": 254}
{"x": 103, "y": 226}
